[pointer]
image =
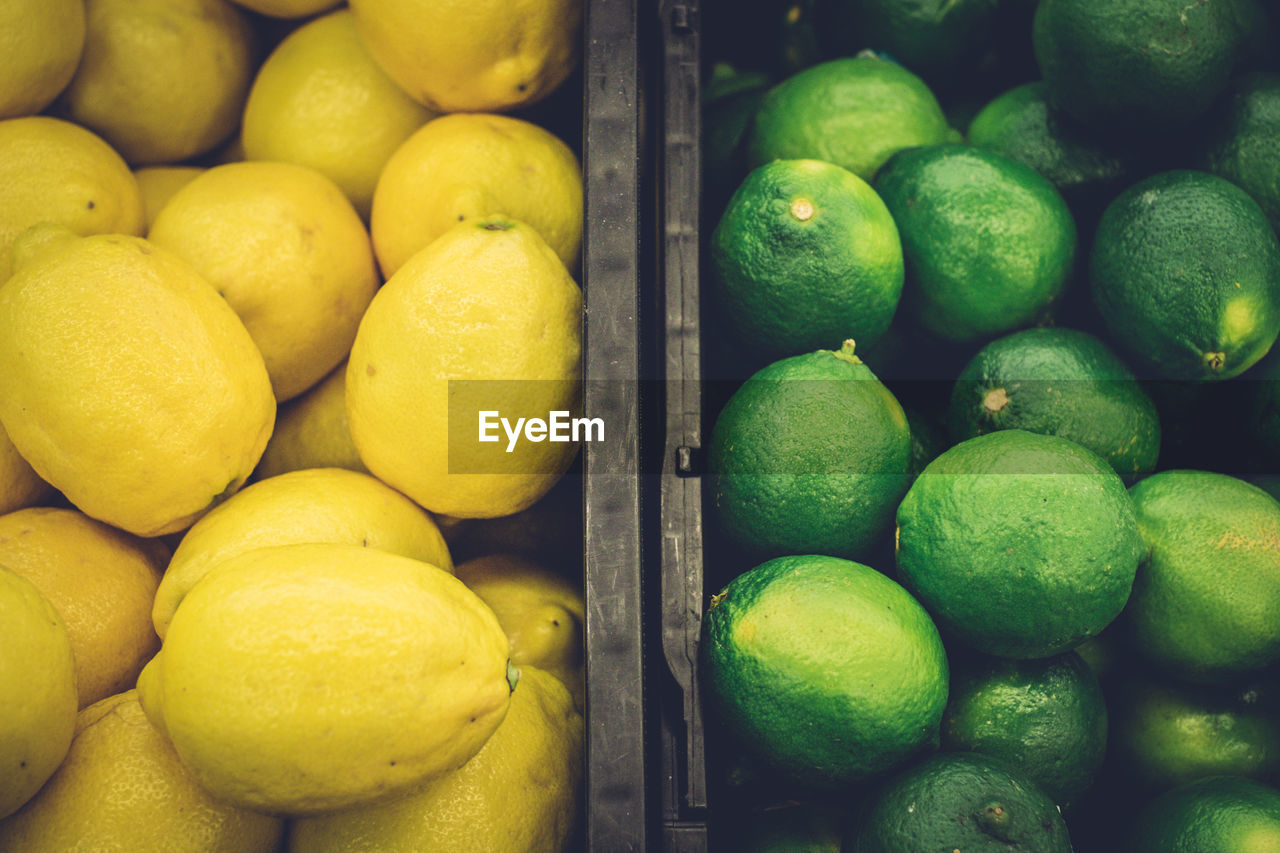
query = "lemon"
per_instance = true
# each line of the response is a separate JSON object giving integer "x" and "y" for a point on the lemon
{"x": 288, "y": 8}
{"x": 100, "y": 580}
{"x": 311, "y": 431}
{"x": 162, "y": 80}
{"x": 122, "y": 787}
{"x": 321, "y": 101}
{"x": 486, "y": 318}
{"x": 306, "y": 678}
{"x": 541, "y": 612}
{"x": 312, "y": 505}
{"x": 128, "y": 383}
{"x": 159, "y": 183}
{"x": 20, "y": 485}
{"x": 40, "y": 44}
{"x": 54, "y": 171}
{"x": 464, "y": 167}
{"x": 37, "y": 690}
{"x": 518, "y": 795}
{"x": 288, "y": 252}
{"x": 473, "y": 55}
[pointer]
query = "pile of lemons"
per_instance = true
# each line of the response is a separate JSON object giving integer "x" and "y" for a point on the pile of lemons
{"x": 257, "y": 260}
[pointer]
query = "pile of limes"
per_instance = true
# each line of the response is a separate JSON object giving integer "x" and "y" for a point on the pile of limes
{"x": 258, "y": 261}
{"x": 992, "y": 300}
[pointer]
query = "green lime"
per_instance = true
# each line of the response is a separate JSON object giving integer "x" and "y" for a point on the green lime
{"x": 1141, "y": 64}
{"x": 730, "y": 97}
{"x": 853, "y": 111}
{"x": 1206, "y": 600}
{"x": 826, "y": 669}
{"x": 1060, "y": 382}
{"x": 1045, "y": 717}
{"x": 1185, "y": 271}
{"x": 806, "y": 255}
{"x": 960, "y": 801}
{"x": 1021, "y": 545}
{"x": 1021, "y": 125}
{"x": 989, "y": 243}
{"x": 1220, "y": 814}
{"x": 1170, "y": 733}
{"x": 809, "y": 456}
{"x": 929, "y": 37}
{"x": 1243, "y": 139}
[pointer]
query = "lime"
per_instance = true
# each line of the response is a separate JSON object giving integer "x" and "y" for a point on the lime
{"x": 826, "y": 669}
{"x": 1243, "y": 139}
{"x": 1045, "y": 717}
{"x": 1206, "y": 601}
{"x": 809, "y": 455}
{"x": 852, "y": 111}
{"x": 926, "y": 36}
{"x": 806, "y": 254}
{"x": 989, "y": 243}
{"x": 1061, "y": 382}
{"x": 1221, "y": 813}
{"x": 1021, "y": 545}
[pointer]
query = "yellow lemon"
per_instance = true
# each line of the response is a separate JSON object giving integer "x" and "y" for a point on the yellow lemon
{"x": 128, "y": 383}
{"x": 473, "y": 55}
{"x": 307, "y": 678}
{"x": 485, "y": 319}
{"x": 465, "y": 167}
{"x": 311, "y": 505}
{"x": 288, "y": 8}
{"x": 311, "y": 431}
{"x": 288, "y": 252}
{"x": 37, "y": 690}
{"x": 162, "y": 80}
{"x": 518, "y": 795}
{"x": 40, "y": 44}
{"x": 20, "y": 485}
{"x": 122, "y": 787}
{"x": 541, "y": 611}
{"x": 158, "y": 184}
{"x": 55, "y": 171}
{"x": 321, "y": 101}
{"x": 100, "y": 580}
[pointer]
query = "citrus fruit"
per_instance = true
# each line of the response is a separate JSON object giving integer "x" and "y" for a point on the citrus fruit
{"x": 989, "y": 243}
{"x": 473, "y": 56}
{"x": 542, "y": 613}
{"x": 393, "y": 664}
{"x": 828, "y": 671}
{"x": 806, "y": 254}
{"x": 809, "y": 456}
{"x": 311, "y": 505}
{"x": 464, "y": 167}
{"x": 1220, "y": 813}
{"x": 88, "y": 327}
{"x": 932, "y": 39}
{"x": 1206, "y": 602}
{"x": 1045, "y": 717}
{"x": 730, "y": 97}
{"x": 162, "y": 80}
{"x": 960, "y": 801}
{"x": 55, "y": 171}
{"x": 519, "y": 793}
{"x": 288, "y": 252}
{"x": 100, "y": 580}
{"x": 1169, "y": 734}
{"x": 1185, "y": 271}
{"x": 158, "y": 184}
{"x": 485, "y": 319}
{"x": 1062, "y": 382}
{"x": 1021, "y": 545}
{"x": 319, "y": 100}
{"x": 122, "y": 787}
{"x": 1139, "y": 63}
{"x": 853, "y": 111}
{"x": 37, "y": 690}
{"x": 1242, "y": 141}
{"x": 40, "y": 41}
{"x": 20, "y": 485}
{"x": 311, "y": 431}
